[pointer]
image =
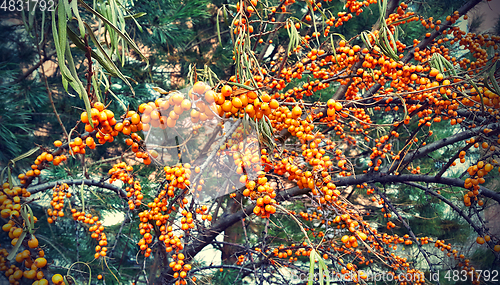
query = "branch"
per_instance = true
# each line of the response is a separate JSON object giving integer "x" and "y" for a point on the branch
{"x": 423, "y": 151}
{"x": 478, "y": 230}
{"x": 387, "y": 178}
{"x": 89, "y": 182}
{"x": 33, "y": 68}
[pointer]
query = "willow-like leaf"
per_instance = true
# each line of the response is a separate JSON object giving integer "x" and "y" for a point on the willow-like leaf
{"x": 493, "y": 79}
{"x": 334, "y": 51}
{"x": 82, "y": 194}
{"x": 81, "y": 27}
{"x": 60, "y": 52}
{"x": 26, "y": 218}
{"x": 125, "y": 36}
{"x": 218, "y": 28}
{"x": 12, "y": 253}
{"x": 25, "y": 155}
{"x": 108, "y": 62}
{"x": 477, "y": 90}
{"x": 135, "y": 16}
{"x": 310, "y": 280}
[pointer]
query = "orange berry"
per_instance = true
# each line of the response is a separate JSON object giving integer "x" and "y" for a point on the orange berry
{"x": 40, "y": 262}
{"x": 199, "y": 87}
{"x": 57, "y": 279}
{"x": 296, "y": 112}
{"x": 226, "y": 90}
{"x": 33, "y": 242}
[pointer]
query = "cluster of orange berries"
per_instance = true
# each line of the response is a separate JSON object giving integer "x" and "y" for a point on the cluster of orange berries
{"x": 283, "y": 118}
{"x": 203, "y": 212}
{"x": 281, "y": 252}
{"x": 123, "y": 172}
{"x": 163, "y": 112}
{"x": 180, "y": 269}
{"x": 60, "y": 192}
{"x": 246, "y": 157}
{"x": 356, "y": 6}
{"x": 130, "y": 124}
{"x": 156, "y": 213}
{"x": 487, "y": 238}
{"x": 259, "y": 190}
{"x": 179, "y": 177}
{"x": 10, "y": 199}
{"x": 241, "y": 260}
{"x": 352, "y": 241}
{"x": 103, "y": 121}
{"x": 240, "y": 101}
{"x": 265, "y": 206}
{"x": 97, "y": 230}
{"x": 31, "y": 267}
{"x": 135, "y": 143}
{"x": 488, "y": 98}
{"x": 477, "y": 173}
{"x": 40, "y": 163}
{"x": 145, "y": 230}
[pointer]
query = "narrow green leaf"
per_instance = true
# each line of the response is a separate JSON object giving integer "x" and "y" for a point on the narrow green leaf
{"x": 241, "y": 85}
{"x": 321, "y": 275}
{"x": 334, "y": 51}
{"x": 82, "y": 195}
{"x": 67, "y": 8}
{"x": 366, "y": 40}
{"x": 26, "y": 154}
{"x": 340, "y": 35}
{"x": 135, "y": 16}
{"x": 3, "y": 173}
{"x": 80, "y": 44}
{"x": 493, "y": 79}
{"x": 42, "y": 28}
{"x": 60, "y": 52}
{"x": 26, "y": 218}
{"x": 218, "y": 28}
{"x": 118, "y": 99}
{"x": 14, "y": 250}
{"x": 9, "y": 177}
{"x": 74, "y": 7}
{"x": 62, "y": 24}
{"x": 125, "y": 36}
{"x": 76, "y": 83}
{"x": 32, "y": 218}
{"x": 224, "y": 15}
{"x": 108, "y": 63}
{"x": 477, "y": 90}
{"x": 31, "y": 18}
{"x": 310, "y": 280}
{"x": 65, "y": 83}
